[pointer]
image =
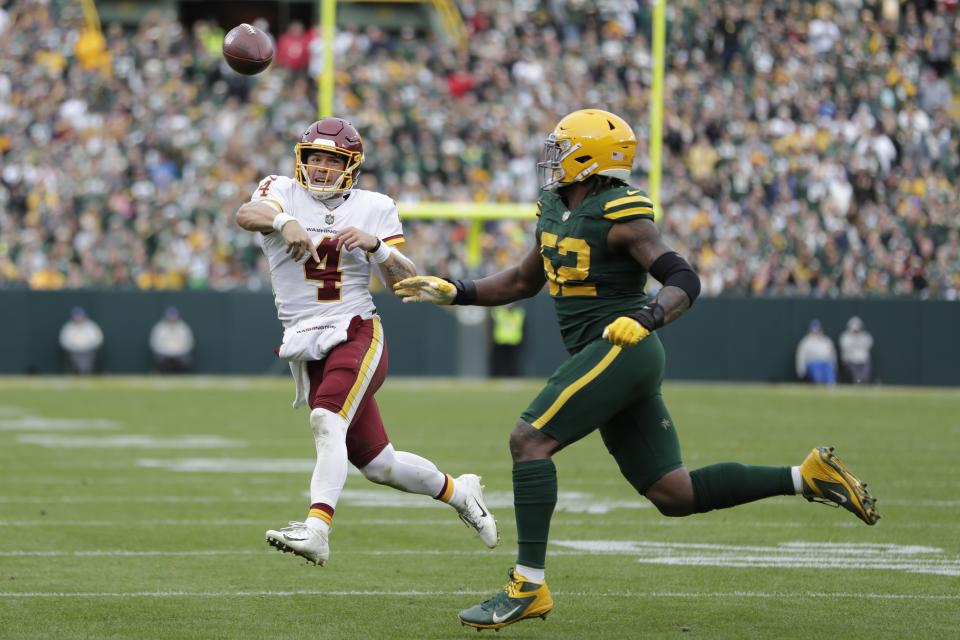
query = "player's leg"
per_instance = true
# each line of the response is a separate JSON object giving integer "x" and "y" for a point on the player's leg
{"x": 337, "y": 386}
{"x": 370, "y": 450}
{"x": 584, "y": 392}
{"x": 643, "y": 440}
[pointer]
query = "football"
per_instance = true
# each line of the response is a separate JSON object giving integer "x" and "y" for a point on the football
{"x": 247, "y": 50}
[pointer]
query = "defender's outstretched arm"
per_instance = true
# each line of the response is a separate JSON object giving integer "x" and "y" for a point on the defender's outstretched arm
{"x": 515, "y": 283}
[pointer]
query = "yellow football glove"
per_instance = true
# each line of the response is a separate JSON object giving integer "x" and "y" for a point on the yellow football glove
{"x": 425, "y": 289}
{"x": 625, "y": 332}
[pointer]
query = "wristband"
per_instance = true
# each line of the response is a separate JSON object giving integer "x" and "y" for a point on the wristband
{"x": 650, "y": 316}
{"x": 381, "y": 252}
{"x": 282, "y": 219}
{"x": 466, "y": 291}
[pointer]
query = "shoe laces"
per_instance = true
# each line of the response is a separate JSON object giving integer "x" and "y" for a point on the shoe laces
{"x": 293, "y": 525}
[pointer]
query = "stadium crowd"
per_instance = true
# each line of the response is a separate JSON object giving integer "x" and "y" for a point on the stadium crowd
{"x": 810, "y": 148}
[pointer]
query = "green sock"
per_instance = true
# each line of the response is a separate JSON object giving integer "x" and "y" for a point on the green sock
{"x": 728, "y": 484}
{"x": 534, "y": 497}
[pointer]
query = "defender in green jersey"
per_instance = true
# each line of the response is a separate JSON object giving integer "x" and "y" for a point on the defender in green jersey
{"x": 596, "y": 241}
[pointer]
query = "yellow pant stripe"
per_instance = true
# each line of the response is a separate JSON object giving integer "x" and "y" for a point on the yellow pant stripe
{"x": 641, "y": 200}
{"x": 580, "y": 383}
{"x": 367, "y": 368}
{"x": 640, "y": 211}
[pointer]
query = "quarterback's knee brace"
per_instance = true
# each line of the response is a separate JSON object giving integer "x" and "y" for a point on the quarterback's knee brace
{"x": 327, "y": 425}
{"x": 380, "y": 469}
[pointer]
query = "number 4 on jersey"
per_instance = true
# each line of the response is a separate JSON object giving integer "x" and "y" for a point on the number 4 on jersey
{"x": 326, "y": 272}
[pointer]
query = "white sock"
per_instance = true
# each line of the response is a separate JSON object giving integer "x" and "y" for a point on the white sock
{"x": 330, "y": 472}
{"x": 404, "y": 471}
{"x": 536, "y": 576}
{"x": 318, "y": 523}
{"x": 797, "y": 480}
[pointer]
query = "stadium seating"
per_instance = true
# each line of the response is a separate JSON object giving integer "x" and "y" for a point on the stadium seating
{"x": 810, "y": 149}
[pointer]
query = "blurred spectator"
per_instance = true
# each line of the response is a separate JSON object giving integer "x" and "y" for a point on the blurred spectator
{"x": 855, "y": 346}
{"x": 171, "y": 343}
{"x": 816, "y": 358}
{"x": 81, "y": 339}
{"x": 293, "y": 48}
{"x": 507, "y": 323}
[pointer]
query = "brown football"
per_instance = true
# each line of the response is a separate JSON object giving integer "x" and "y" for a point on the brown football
{"x": 247, "y": 49}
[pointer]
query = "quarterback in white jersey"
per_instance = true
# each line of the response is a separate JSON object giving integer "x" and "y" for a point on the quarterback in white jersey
{"x": 321, "y": 237}
{"x": 340, "y": 279}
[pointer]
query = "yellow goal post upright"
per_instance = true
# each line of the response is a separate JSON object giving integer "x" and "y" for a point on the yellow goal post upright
{"x": 478, "y": 213}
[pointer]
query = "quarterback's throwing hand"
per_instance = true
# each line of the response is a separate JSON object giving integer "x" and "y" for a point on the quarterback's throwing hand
{"x": 625, "y": 332}
{"x": 298, "y": 242}
{"x": 425, "y": 289}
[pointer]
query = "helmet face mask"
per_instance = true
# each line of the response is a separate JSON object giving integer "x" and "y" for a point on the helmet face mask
{"x": 585, "y": 143}
{"x": 550, "y": 168}
{"x": 325, "y": 178}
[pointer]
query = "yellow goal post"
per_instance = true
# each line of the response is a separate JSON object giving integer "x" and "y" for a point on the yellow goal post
{"x": 475, "y": 213}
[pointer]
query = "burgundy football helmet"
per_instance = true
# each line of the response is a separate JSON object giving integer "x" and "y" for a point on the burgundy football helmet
{"x": 337, "y": 137}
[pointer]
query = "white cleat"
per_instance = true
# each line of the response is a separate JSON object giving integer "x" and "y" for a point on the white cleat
{"x": 473, "y": 511}
{"x": 303, "y": 541}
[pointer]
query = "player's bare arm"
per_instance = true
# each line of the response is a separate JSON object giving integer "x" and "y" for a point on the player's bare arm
{"x": 681, "y": 285}
{"x": 522, "y": 281}
{"x": 393, "y": 265}
{"x": 262, "y": 217}
{"x": 515, "y": 283}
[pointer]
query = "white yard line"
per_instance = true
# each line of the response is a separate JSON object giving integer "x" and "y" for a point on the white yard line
{"x": 265, "y": 551}
{"x": 723, "y": 595}
{"x": 31, "y": 423}
{"x": 130, "y": 442}
{"x": 822, "y": 555}
{"x": 400, "y": 522}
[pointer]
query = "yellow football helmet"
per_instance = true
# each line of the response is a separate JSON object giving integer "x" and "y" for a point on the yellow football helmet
{"x": 585, "y": 143}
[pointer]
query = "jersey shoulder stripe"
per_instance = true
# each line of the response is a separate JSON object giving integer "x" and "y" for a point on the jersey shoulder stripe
{"x": 626, "y": 215}
{"x": 628, "y": 201}
{"x": 272, "y": 202}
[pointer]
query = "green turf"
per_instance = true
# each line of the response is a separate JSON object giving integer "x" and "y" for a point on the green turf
{"x": 95, "y": 522}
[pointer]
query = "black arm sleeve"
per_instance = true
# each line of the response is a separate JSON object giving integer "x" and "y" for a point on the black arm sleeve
{"x": 466, "y": 291}
{"x": 673, "y": 271}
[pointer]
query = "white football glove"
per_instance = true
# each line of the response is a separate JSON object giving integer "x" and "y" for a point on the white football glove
{"x": 425, "y": 289}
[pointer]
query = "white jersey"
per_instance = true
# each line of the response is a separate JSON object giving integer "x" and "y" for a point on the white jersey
{"x": 340, "y": 283}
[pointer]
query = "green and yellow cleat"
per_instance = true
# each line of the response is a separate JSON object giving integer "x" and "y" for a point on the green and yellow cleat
{"x": 519, "y": 600}
{"x": 827, "y": 480}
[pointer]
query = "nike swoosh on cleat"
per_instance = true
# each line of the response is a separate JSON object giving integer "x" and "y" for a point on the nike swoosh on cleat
{"x": 498, "y": 619}
{"x": 483, "y": 513}
{"x": 840, "y": 498}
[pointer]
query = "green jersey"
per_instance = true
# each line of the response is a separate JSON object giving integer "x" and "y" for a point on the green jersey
{"x": 590, "y": 285}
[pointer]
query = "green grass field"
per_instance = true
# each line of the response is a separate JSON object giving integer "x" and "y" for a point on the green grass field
{"x": 135, "y": 508}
